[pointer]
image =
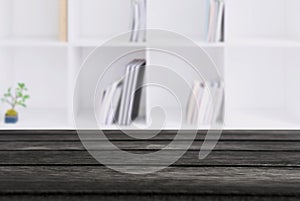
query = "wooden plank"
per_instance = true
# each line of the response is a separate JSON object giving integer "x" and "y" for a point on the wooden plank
{"x": 63, "y": 20}
{"x": 66, "y": 135}
{"x": 216, "y": 158}
{"x": 183, "y": 180}
{"x": 142, "y": 197}
{"x": 244, "y": 165}
{"x": 149, "y": 145}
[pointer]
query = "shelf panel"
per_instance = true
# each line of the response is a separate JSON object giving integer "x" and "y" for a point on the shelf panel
{"x": 174, "y": 120}
{"x": 85, "y": 118}
{"x": 260, "y": 119}
{"x": 124, "y": 41}
{"x": 102, "y": 41}
{"x": 39, "y": 119}
{"x": 32, "y": 41}
{"x": 262, "y": 42}
{"x": 95, "y": 42}
{"x": 238, "y": 119}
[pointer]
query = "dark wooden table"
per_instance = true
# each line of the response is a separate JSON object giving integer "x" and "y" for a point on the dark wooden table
{"x": 246, "y": 165}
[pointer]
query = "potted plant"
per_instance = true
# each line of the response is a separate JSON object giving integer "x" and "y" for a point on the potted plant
{"x": 15, "y": 98}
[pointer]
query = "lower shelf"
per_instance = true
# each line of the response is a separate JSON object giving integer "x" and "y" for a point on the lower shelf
{"x": 261, "y": 119}
{"x": 85, "y": 120}
{"x": 39, "y": 119}
{"x": 235, "y": 120}
{"x": 32, "y": 42}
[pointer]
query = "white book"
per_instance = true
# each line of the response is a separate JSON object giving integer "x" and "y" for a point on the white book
{"x": 124, "y": 94}
{"x": 215, "y": 105}
{"x": 138, "y": 91}
{"x": 133, "y": 89}
{"x": 219, "y": 20}
{"x": 143, "y": 20}
{"x": 219, "y": 104}
{"x": 105, "y": 106}
{"x": 200, "y": 93}
{"x": 192, "y": 102}
{"x": 101, "y": 103}
{"x": 203, "y": 104}
{"x": 136, "y": 21}
{"x": 101, "y": 108}
{"x": 210, "y": 106}
{"x": 128, "y": 92}
{"x": 212, "y": 20}
{"x": 132, "y": 35}
{"x": 114, "y": 103}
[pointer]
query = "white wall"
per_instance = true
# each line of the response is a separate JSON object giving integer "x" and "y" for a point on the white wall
{"x": 38, "y": 18}
{"x": 5, "y": 17}
{"x": 256, "y": 18}
{"x": 104, "y": 18}
{"x": 44, "y": 70}
{"x": 293, "y": 81}
{"x": 293, "y": 16}
{"x": 7, "y": 73}
{"x": 255, "y": 78}
{"x": 188, "y": 18}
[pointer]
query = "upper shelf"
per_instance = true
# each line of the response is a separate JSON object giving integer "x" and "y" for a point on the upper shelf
{"x": 32, "y": 41}
{"x": 262, "y": 42}
{"x": 96, "y": 42}
{"x": 248, "y": 23}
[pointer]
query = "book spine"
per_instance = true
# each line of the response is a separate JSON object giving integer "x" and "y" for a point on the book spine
{"x": 203, "y": 104}
{"x": 124, "y": 94}
{"x": 138, "y": 92}
{"x": 192, "y": 107}
{"x": 143, "y": 20}
{"x": 211, "y": 21}
{"x": 63, "y": 20}
{"x": 219, "y": 21}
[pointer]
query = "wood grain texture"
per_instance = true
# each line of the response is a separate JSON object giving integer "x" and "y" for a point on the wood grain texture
{"x": 66, "y": 135}
{"x": 143, "y": 197}
{"x": 216, "y": 158}
{"x": 246, "y": 165}
{"x": 182, "y": 180}
{"x": 149, "y": 145}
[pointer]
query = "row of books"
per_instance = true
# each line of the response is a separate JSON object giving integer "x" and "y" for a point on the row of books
{"x": 139, "y": 21}
{"x": 120, "y": 102}
{"x": 216, "y": 21}
{"x": 205, "y": 103}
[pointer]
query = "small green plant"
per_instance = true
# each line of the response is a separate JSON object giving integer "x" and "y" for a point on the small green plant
{"x": 15, "y": 98}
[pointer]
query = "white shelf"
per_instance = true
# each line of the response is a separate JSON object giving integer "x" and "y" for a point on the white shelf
{"x": 259, "y": 60}
{"x": 157, "y": 42}
{"x": 262, "y": 42}
{"x": 86, "y": 117}
{"x": 32, "y": 42}
{"x": 39, "y": 119}
{"x": 237, "y": 119}
{"x": 95, "y": 42}
{"x": 102, "y": 41}
{"x": 260, "y": 119}
{"x": 180, "y": 42}
{"x": 174, "y": 120}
